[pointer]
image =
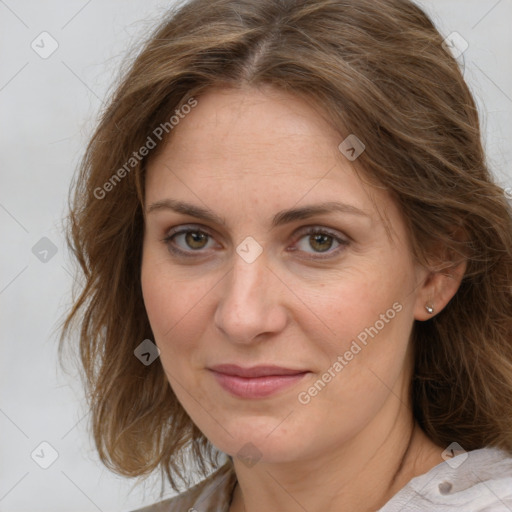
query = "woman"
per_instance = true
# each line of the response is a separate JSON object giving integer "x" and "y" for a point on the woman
{"x": 297, "y": 260}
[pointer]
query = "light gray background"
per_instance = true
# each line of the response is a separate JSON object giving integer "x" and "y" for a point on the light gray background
{"x": 48, "y": 108}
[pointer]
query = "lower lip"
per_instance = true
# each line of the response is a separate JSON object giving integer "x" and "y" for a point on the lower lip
{"x": 256, "y": 387}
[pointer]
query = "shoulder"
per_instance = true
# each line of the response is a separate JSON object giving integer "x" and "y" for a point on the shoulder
{"x": 212, "y": 494}
{"x": 475, "y": 481}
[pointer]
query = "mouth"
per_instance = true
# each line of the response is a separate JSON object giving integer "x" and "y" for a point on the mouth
{"x": 257, "y": 381}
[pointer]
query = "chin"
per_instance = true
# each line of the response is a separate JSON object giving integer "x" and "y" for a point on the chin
{"x": 261, "y": 439}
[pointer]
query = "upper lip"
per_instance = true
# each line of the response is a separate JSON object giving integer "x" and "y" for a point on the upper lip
{"x": 254, "y": 371}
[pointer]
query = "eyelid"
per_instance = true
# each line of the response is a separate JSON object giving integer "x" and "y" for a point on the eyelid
{"x": 317, "y": 228}
{"x": 183, "y": 228}
{"x": 303, "y": 230}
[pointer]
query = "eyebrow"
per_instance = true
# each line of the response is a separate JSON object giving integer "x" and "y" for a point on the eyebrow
{"x": 280, "y": 218}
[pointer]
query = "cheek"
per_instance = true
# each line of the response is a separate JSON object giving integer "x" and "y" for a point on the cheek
{"x": 174, "y": 306}
{"x": 369, "y": 315}
{"x": 359, "y": 300}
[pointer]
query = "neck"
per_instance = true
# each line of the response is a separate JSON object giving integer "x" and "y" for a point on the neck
{"x": 369, "y": 470}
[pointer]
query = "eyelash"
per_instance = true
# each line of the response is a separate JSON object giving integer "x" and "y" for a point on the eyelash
{"x": 308, "y": 231}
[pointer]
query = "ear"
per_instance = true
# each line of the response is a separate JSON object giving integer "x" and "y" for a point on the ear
{"x": 437, "y": 289}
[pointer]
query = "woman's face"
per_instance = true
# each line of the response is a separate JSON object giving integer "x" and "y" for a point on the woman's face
{"x": 276, "y": 255}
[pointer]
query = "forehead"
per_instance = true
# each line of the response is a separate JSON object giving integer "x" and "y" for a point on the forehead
{"x": 253, "y": 148}
{"x": 248, "y": 130}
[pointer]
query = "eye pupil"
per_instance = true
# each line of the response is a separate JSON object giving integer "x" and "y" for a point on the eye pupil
{"x": 196, "y": 240}
{"x": 321, "y": 242}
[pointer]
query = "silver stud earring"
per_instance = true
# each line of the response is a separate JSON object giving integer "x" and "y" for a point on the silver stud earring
{"x": 429, "y": 307}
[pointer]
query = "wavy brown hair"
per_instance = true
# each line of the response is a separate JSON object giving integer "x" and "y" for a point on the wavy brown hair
{"x": 378, "y": 69}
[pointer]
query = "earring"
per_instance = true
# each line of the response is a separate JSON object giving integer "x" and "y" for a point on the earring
{"x": 429, "y": 307}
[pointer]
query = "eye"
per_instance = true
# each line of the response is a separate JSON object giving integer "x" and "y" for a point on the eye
{"x": 186, "y": 241}
{"x": 318, "y": 241}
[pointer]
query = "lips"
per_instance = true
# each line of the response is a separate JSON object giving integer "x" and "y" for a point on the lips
{"x": 254, "y": 371}
{"x": 257, "y": 381}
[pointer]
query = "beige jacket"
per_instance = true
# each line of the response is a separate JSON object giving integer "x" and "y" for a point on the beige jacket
{"x": 210, "y": 495}
{"x": 475, "y": 481}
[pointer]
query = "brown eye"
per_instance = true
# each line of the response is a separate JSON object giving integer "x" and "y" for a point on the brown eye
{"x": 321, "y": 242}
{"x": 189, "y": 242}
{"x": 196, "y": 239}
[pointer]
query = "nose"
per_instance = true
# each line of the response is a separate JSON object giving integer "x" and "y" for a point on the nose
{"x": 251, "y": 303}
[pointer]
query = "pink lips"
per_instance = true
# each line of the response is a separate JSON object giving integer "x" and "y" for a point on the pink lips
{"x": 257, "y": 381}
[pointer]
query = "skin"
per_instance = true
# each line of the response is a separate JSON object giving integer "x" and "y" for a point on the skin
{"x": 246, "y": 154}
